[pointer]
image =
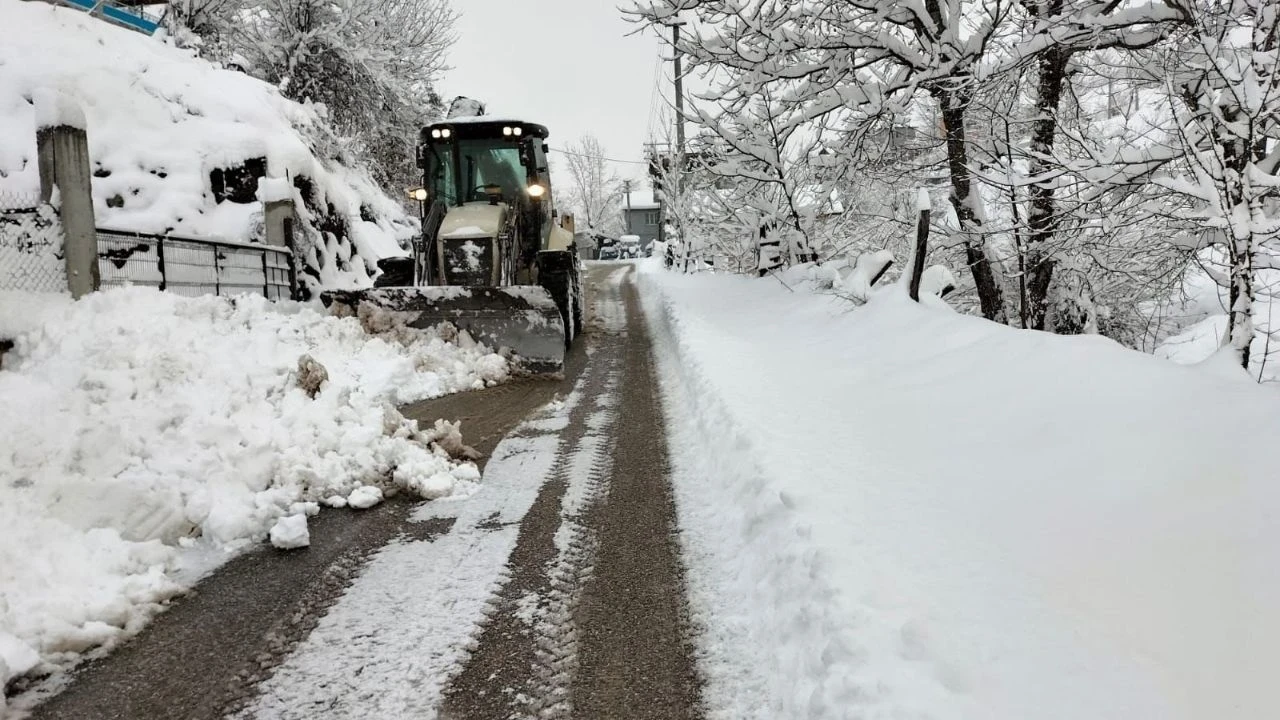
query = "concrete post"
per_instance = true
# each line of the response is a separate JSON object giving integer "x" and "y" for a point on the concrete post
{"x": 279, "y": 219}
{"x": 277, "y": 216}
{"x": 63, "y": 148}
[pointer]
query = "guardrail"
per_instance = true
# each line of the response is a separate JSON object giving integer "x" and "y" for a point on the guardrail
{"x": 195, "y": 266}
{"x": 132, "y": 19}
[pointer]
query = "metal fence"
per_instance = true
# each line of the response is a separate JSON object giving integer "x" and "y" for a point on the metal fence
{"x": 31, "y": 251}
{"x": 192, "y": 266}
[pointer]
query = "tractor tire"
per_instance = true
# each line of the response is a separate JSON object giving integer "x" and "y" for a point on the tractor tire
{"x": 577, "y": 302}
{"x": 555, "y": 274}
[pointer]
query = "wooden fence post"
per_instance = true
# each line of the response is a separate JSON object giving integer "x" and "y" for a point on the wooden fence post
{"x": 922, "y": 243}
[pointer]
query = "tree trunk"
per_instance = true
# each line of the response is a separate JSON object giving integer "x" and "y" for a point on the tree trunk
{"x": 1240, "y": 326}
{"x": 1236, "y": 156}
{"x": 1042, "y": 216}
{"x": 990, "y": 293}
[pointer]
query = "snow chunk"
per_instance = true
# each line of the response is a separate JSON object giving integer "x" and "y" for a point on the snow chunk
{"x": 16, "y": 658}
{"x": 923, "y": 202}
{"x": 937, "y": 280}
{"x": 311, "y": 375}
{"x": 365, "y": 497}
{"x": 466, "y": 231}
{"x": 55, "y": 108}
{"x": 867, "y": 270}
{"x": 274, "y": 190}
{"x": 290, "y": 532}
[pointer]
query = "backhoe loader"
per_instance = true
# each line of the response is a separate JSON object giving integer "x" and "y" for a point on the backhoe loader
{"x": 492, "y": 258}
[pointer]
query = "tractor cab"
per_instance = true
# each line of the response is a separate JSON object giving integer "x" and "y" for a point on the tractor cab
{"x": 485, "y": 161}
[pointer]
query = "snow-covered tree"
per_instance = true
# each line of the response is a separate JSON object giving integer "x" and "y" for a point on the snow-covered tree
{"x": 840, "y": 64}
{"x": 594, "y": 191}
{"x": 766, "y": 159}
{"x": 828, "y": 57}
{"x": 1222, "y": 78}
{"x": 371, "y": 63}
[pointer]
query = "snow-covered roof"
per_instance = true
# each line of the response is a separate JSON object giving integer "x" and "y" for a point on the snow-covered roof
{"x": 642, "y": 200}
{"x": 471, "y": 119}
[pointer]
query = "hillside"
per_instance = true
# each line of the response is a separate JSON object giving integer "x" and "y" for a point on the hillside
{"x": 177, "y": 143}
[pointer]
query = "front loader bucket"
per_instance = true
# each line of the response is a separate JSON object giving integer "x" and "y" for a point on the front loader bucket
{"x": 523, "y": 318}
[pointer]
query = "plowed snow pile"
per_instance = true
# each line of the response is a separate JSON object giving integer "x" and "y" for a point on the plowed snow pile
{"x": 142, "y": 431}
{"x": 898, "y": 511}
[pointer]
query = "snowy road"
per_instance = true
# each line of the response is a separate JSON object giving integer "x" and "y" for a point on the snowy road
{"x": 555, "y": 592}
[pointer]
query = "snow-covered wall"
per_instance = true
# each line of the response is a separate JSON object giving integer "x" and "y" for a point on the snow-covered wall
{"x": 161, "y": 122}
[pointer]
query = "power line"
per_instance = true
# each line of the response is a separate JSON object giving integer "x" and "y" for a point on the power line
{"x": 655, "y": 93}
{"x": 606, "y": 159}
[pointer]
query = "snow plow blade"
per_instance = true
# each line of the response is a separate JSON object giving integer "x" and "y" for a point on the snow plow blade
{"x": 522, "y": 318}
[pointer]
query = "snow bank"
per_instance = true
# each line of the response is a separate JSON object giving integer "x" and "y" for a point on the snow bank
{"x": 904, "y": 512}
{"x": 1201, "y": 344}
{"x": 159, "y": 121}
{"x": 141, "y": 429}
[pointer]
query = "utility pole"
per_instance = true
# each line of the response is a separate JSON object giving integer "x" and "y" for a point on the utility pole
{"x": 626, "y": 184}
{"x": 678, "y": 160}
{"x": 679, "y": 73}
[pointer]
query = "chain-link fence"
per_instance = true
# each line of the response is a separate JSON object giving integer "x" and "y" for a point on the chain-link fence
{"x": 31, "y": 251}
{"x": 192, "y": 266}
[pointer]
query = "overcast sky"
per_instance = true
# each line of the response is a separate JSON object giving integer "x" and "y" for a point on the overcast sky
{"x": 567, "y": 64}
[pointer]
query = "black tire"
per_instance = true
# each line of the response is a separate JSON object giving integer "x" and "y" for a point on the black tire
{"x": 555, "y": 274}
{"x": 577, "y": 302}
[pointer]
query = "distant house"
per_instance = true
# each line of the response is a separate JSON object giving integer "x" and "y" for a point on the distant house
{"x": 642, "y": 215}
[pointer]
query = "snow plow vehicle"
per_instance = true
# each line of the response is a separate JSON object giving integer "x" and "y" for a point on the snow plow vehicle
{"x": 492, "y": 258}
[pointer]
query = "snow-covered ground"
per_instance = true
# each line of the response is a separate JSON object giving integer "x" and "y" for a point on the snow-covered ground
{"x": 898, "y": 511}
{"x": 160, "y": 120}
{"x": 145, "y": 437}
{"x": 391, "y": 645}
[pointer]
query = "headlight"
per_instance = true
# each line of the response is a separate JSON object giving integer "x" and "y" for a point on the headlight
{"x": 536, "y": 191}
{"x": 507, "y": 131}
{"x": 518, "y": 131}
{"x": 436, "y": 133}
{"x": 446, "y": 132}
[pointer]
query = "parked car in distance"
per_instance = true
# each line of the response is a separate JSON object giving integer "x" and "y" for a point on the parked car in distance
{"x": 629, "y": 246}
{"x": 609, "y": 252}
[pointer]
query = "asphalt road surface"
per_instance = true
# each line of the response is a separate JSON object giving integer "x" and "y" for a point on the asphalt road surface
{"x": 588, "y": 619}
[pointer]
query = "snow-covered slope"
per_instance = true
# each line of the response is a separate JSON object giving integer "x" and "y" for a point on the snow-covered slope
{"x": 161, "y": 120}
{"x": 898, "y": 511}
{"x": 142, "y": 432}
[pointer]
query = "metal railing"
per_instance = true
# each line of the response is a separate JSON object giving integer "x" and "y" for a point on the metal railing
{"x": 194, "y": 266}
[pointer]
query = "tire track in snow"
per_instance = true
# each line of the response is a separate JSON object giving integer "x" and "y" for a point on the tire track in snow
{"x": 635, "y": 652}
{"x": 554, "y": 614}
{"x": 524, "y": 661}
{"x": 388, "y": 647}
{"x": 196, "y": 659}
{"x": 594, "y": 623}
